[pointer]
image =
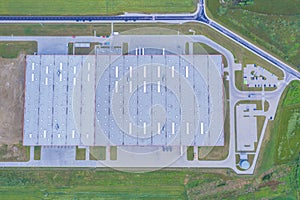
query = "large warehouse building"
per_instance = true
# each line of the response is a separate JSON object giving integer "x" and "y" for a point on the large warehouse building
{"x": 99, "y": 100}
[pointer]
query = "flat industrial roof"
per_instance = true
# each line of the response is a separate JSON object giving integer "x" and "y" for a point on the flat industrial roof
{"x": 124, "y": 100}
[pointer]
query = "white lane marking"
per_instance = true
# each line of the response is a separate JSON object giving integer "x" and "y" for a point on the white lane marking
{"x": 74, "y": 70}
{"x": 73, "y": 133}
{"x": 45, "y": 133}
{"x": 58, "y": 135}
{"x": 158, "y": 72}
{"x": 30, "y": 135}
{"x": 158, "y": 86}
{"x": 32, "y": 77}
{"x": 88, "y": 78}
{"x": 46, "y": 81}
{"x": 172, "y": 71}
{"x": 32, "y": 66}
{"x": 60, "y": 77}
{"x": 187, "y": 128}
{"x": 89, "y": 66}
{"x": 201, "y": 128}
{"x": 116, "y": 86}
{"x": 145, "y": 86}
{"x": 47, "y": 70}
{"x": 145, "y": 130}
{"x": 130, "y": 71}
{"x": 74, "y": 81}
{"x": 130, "y": 128}
{"x": 117, "y": 71}
{"x": 173, "y": 128}
{"x": 60, "y": 66}
{"x": 158, "y": 128}
{"x": 186, "y": 71}
{"x": 145, "y": 71}
{"x": 130, "y": 86}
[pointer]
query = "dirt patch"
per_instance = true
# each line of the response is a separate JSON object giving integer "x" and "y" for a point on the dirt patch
{"x": 272, "y": 184}
{"x": 11, "y": 100}
{"x": 186, "y": 179}
{"x": 15, "y": 152}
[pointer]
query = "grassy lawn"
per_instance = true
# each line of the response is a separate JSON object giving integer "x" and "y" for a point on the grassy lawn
{"x": 187, "y": 48}
{"x": 281, "y": 144}
{"x": 97, "y": 153}
{"x": 13, "y": 49}
{"x": 162, "y": 184}
{"x": 190, "y": 153}
{"x": 93, "y": 7}
{"x": 113, "y": 153}
{"x": 275, "y": 33}
{"x": 37, "y": 153}
{"x": 260, "y": 120}
{"x": 125, "y": 48}
{"x": 91, "y": 184}
{"x": 80, "y": 153}
{"x": 14, "y": 153}
{"x": 200, "y": 48}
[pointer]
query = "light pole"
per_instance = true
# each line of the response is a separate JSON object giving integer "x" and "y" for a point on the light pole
{"x": 192, "y": 31}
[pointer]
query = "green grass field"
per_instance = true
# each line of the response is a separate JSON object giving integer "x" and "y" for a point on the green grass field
{"x": 282, "y": 144}
{"x": 272, "y": 25}
{"x": 37, "y": 152}
{"x": 190, "y": 153}
{"x": 80, "y": 153}
{"x": 90, "y": 184}
{"x": 163, "y": 184}
{"x": 13, "y": 49}
{"x": 113, "y": 153}
{"x": 287, "y": 125}
{"x": 98, "y": 153}
{"x": 93, "y": 7}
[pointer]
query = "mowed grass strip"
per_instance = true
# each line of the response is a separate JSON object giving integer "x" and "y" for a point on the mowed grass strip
{"x": 89, "y": 184}
{"x": 13, "y": 49}
{"x": 93, "y": 7}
